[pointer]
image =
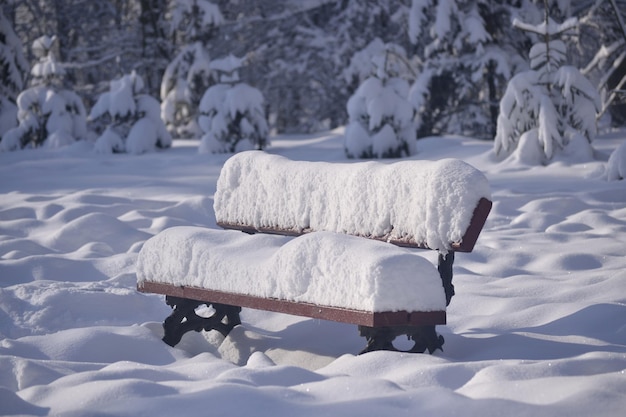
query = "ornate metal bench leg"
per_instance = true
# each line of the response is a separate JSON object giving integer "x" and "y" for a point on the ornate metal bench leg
{"x": 224, "y": 320}
{"x": 445, "y": 264}
{"x": 381, "y": 338}
{"x": 177, "y": 324}
{"x": 378, "y": 338}
{"x": 184, "y": 319}
{"x": 425, "y": 337}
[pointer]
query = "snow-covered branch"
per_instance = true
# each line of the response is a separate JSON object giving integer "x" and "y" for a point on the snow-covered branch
{"x": 549, "y": 28}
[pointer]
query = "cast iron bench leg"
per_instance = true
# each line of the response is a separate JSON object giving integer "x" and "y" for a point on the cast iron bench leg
{"x": 425, "y": 337}
{"x": 381, "y": 338}
{"x": 445, "y": 272}
{"x": 184, "y": 319}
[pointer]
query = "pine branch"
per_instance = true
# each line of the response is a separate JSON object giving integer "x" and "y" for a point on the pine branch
{"x": 618, "y": 16}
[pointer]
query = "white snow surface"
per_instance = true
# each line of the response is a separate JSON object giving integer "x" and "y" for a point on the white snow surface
{"x": 429, "y": 202}
{"x": 537, "y": 326}
{"x": 322, "y": 268}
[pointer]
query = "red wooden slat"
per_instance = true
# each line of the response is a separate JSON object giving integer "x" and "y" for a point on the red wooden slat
{"x": 364, "y": 318}
{"x": 476, "y": 225}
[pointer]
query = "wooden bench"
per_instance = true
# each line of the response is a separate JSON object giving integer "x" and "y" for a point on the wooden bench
{"x": 367, "y": 212}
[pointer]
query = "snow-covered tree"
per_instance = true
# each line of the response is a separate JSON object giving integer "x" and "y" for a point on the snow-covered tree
{"x": 616, "y": 167}
{"x": 185, "y": 78}
{"x": 232, "y": 114}
{"x": 47, "y": 70}
{"x": 48, "y": 114}
{"x": 99, "y": 40}
{"x": 380, "y": 117}
{"x": 13, "y": 69}
{"x": 155, "y": 44}
{"x": 196, "y": 20}
{"x": 363, "y": 62}
{"x": 549, "y": 108}
{"x": 607, "y": 68}
{"x": 299, "y": 51}
{"x": 129, "y": 120}
{"x": 467, "y": 57}
{"x": 188, "y": 76}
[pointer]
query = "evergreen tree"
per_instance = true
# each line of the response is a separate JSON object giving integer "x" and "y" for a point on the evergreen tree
{"x": 300, "y": 78}
{"x": 97, "y": 40}
{"x": 356, "y": 26}
{"x": 48, "y": 114}
{"x": 464, "y": 51}
{"x": 128, "y": 120}
{"x": 616, "y": 167}
{"x": 232, "y": 114}
{"x": 381, "y": 119}
{"x": 466, "y": 61}
{"x": 363, "y": 62}
{"x": 188, "y": 76}
{"x": 13, "y": 69}
{"x": 299, "y": 50}
{"x": 155, "y": 44}
{"x": 603, "y": 34}
{"x": 552, "y": 106}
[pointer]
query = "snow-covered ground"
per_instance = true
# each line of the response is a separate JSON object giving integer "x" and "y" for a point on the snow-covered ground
{"x": 537, "y": 328}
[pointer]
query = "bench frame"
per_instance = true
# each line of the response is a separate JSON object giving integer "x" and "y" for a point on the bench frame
{"x": 379, "y": 328}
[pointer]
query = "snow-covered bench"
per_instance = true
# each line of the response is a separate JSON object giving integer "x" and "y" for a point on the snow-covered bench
{"x": 349, "y": 261}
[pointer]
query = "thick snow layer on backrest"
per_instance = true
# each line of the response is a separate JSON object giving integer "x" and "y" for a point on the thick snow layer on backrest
{"x": 423, "y": 202}
{"x": 323, "y": 268}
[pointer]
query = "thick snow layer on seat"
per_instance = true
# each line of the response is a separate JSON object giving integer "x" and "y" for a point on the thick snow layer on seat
{"x": 424, "y": 202}
{"x": 322, "y": 268}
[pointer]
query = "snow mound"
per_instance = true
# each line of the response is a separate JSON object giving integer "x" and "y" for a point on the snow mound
{"x": 96, "y": 227}
{"x": 424, "y": 202}
{"x": 321, "y": 268}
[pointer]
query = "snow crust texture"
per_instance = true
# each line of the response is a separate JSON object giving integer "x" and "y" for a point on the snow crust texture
{"x": 425, "y": 202}
{"x": 322, "y": 268}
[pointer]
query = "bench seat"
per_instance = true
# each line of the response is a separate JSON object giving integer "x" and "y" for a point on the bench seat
{"x": 324, "y": 269}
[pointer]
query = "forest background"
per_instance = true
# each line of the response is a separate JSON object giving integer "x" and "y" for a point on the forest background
{"x": 308, "y": 57}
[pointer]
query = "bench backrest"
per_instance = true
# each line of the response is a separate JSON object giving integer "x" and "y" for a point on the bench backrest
{"x": 440, "y": 205}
